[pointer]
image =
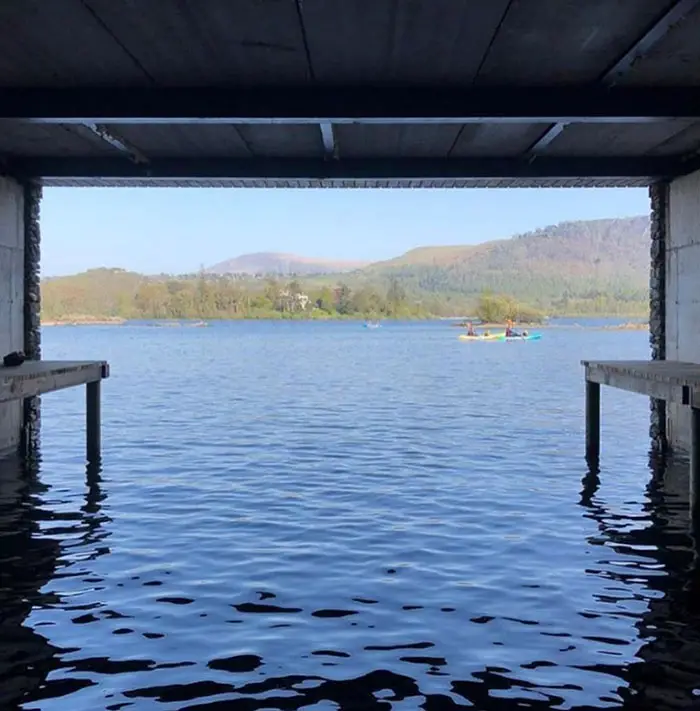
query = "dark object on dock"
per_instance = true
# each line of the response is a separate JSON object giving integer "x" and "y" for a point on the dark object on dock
{"x": 670, "y": 381}
{"x": 12, "y": 360}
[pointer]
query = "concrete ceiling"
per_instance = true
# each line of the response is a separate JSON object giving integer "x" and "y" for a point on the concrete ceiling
{"x": 354, "y": 92}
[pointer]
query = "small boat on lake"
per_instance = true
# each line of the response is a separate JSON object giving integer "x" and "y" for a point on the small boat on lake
{"x": 482, "y": 337}
{"x": 372, "y": 324}
{"x": 524, "y": 337}
{"x": 500, "y": 337}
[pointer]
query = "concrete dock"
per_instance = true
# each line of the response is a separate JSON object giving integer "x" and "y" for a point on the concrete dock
{"x": 672, "y": 382}
{"x": 34, "y": 378}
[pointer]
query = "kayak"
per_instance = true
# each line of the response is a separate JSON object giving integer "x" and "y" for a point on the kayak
{"x": 501, "y": 337}
{"x": 490, "y": 337}
{"x": 529, "y": 337}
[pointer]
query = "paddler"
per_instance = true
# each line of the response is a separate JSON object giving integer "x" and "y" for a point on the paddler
{"x": 510, "y": 333}
{"x": 470, "y": 329}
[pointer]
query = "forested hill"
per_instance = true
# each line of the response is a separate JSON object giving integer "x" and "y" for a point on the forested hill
{"x": 568, "y": 261}
{"x": 591, "y": 267}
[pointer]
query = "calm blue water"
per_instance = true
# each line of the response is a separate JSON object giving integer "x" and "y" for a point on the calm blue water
{"x": 320, "y": 516}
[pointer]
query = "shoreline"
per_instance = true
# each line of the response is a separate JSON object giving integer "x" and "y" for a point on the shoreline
{"x": 119, "y": 321}
{"x": 627, "y": 326}
{"x": 85, "y": 321}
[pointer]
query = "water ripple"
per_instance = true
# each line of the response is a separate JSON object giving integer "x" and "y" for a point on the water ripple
{"x": 313, "y": 516}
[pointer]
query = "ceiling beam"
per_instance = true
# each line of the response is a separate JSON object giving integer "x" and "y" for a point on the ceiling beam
{"x": 330, "y": 144}
{"x": 348, "y": 169}
{"x": 108, "y": 136}
{"x": 314, "y": 105}
{"x": 657, "y": 31}
{"x": 547, "y": 137}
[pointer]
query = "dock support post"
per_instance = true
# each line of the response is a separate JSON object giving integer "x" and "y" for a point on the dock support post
{"x": 92, "y": 413}
{"x": 695, "y": 468}
{"x": 592, "y": 423}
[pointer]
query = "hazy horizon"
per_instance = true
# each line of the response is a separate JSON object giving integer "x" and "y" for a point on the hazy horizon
{"x": 177, "y": 231}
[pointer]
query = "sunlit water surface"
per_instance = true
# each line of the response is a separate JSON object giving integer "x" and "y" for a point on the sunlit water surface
{"x": 323, "y": 516}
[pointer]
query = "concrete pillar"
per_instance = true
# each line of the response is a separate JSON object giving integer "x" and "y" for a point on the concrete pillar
{"x": 11, "y": 298}
{"x": 32, "y": 305}
{"x": 19, "y": 295}
{"x": 682, "y": 291}
{"x": 658, "y": 195}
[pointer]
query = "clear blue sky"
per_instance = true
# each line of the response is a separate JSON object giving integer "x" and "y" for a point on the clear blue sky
{"x": 178, "y": 230}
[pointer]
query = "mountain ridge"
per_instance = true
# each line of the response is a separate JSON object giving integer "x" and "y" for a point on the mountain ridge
{"x": 573, "y": 259}
{"x": 283, "y": 263}
{"x": 608, "y": 244}
{"x": 444, "y": 254}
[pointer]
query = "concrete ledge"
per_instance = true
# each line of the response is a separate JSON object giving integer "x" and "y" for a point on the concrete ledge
{"x": 670, "y": 381}
{"x": 34, "y": 378}
{"x": 674, "y": 382}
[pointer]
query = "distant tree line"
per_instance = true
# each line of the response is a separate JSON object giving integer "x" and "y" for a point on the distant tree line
{"x": 226, "y": 298}
{"x": 498, "y": 308}
{"x": 115, "y": 293}
{"x": 118, "y": 293}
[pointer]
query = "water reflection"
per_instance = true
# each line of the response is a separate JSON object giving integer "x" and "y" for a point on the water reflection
{"x": 667, "y": 675}
{"x": 658, "y": 587}
{"x": 29, "y": 559}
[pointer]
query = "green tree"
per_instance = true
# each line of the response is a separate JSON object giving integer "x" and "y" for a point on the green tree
{"x": 395, "y": 297}
{"x": 367, "y": 301}
{"x": 344, "y": 305}
{"x": 497, "y": 308}
{"x": 326, "y": 300}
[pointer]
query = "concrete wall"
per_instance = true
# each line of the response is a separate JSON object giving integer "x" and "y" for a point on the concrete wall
{"x": 12, "y": 266}
{"x": 682, "y": 290}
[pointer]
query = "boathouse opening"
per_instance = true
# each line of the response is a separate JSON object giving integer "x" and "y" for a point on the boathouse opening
{"x": 314, "y": 94}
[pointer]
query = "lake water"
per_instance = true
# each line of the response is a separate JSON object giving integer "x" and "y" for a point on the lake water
{"x": 321, "y": 516}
